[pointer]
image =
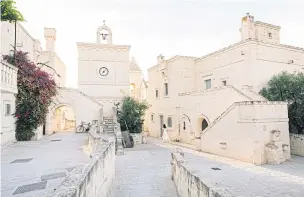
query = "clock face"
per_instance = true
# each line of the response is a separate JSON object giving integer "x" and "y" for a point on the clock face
{"x": 103, "y": 71}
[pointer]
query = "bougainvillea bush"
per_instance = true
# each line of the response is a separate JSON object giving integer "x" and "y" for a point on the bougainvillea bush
{"x": 35, "y": 91}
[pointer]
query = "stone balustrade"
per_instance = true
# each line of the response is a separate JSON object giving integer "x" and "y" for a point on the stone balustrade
{"x": 8, "y": 77}
{"x": 95, "y": 178}
{"x": 187, "y": 183}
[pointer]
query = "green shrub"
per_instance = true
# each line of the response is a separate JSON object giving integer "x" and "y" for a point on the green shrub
{"x": 288, "y": 87}
{"x": 130, "y": 115}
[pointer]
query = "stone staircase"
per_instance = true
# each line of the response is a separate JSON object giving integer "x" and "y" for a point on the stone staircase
{"x": 108, "y": 124}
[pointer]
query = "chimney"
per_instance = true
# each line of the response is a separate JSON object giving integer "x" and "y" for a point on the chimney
{"x": 160, "y": 59}
{"x": 50, "y": 38}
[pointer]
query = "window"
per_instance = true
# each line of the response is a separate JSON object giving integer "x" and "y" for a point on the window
{"x": 156, "y": 93}
{"x": 270, "y": 35}
{"x": 169, "y": 121}
{"x": 8, "y": 109}
{"x": 208, "y": 84}
{"x": 166, "y": 89}
{"x": 184, "y": 127}
{"x": 152, "y": 117}
{"x": 224, "y": 83}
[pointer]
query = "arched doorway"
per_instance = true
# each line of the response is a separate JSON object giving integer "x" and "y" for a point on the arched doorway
{"x": 63, "y": 119}
{"x": 204, "y": 125}
{"x": 185, "y": 130}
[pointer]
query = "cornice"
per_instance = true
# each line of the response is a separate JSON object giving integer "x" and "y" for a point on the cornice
{"x": 259, "y": 23}
{"x": 238, "y": 44}
{"x": 180, "y": 57}
{"x": 153, "y": 68}
{"x": 174, "y": 58}
{"x": 247, "y": 41}
{"x": 280, "y": 45}
{"x": 105, "y": 47}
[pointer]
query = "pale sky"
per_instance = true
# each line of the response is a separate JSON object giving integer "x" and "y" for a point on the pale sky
{"x": 153, "y": 27}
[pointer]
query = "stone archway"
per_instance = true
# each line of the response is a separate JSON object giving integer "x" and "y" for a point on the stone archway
{"x": 63, "y": 119}
{"x": 203, "y": 123}
{"x": 85, "y": 108}
{"x": 185, "y": 133}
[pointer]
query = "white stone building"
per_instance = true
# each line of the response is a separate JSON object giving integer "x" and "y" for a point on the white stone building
{"x": 105, "y": 72}
{"x": 26, "y": 43}
{"x": 213, "y": 103}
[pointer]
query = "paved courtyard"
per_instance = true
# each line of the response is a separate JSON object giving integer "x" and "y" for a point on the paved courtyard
{"x": 242, "y": 179}
{"x": 33, "y": 169}
{"x": 144, "y": 171}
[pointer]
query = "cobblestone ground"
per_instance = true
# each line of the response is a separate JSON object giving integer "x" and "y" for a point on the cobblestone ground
{"x": 144, "y": 171}
{"x": 44, "y": 164}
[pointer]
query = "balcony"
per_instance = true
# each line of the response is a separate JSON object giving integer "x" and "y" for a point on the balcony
{"x": 8, "y": 78}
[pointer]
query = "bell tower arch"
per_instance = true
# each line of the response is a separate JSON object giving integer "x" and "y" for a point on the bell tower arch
{"x": 104, "y": 34}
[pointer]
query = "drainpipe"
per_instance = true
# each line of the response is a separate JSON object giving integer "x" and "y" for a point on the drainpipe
{"x": 177, "y": 109}
{"x": 15, "y": 41}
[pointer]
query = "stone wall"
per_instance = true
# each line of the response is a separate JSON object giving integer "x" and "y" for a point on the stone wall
{"x": 187, "y": 183}
{"x": 297, "y": 144}
{"x": 95, "y": 178}
{"x": 7, "y": 134}
{"x": 255, "y": 123}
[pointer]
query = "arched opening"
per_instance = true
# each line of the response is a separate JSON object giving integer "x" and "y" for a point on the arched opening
{"x": 64, "y": 119}
{"x": 204, "y": 125}
{"x": 185, "y": 130}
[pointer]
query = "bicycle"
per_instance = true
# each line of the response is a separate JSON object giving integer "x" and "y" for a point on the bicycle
{"x": 82, "y": 128}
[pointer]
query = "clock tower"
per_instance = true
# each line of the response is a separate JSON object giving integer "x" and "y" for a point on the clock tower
{"x": 103, "y": 69}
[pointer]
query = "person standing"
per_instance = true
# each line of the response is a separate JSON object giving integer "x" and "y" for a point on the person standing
{"x": 166, "y": 138}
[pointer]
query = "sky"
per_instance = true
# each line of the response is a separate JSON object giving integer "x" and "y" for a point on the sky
{"x": 153, "y": 27}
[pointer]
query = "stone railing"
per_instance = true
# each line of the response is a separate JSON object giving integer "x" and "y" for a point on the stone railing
{"x": 8, "y": 77}
{"x": 187, "y": 183}
{"x": 95, "y": 178}
{"x": 118, "y": 139}
{"x": 297, "y": 144}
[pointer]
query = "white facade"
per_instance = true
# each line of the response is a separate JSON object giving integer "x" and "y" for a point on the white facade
{"x": 103, "y": 69}
{"x": 190, "y": 94}
{"x": 7, "y": 106}
{"x": 26, "y": 43}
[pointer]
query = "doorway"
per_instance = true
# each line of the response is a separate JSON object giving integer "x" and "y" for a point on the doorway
{"x": 64, "y": 119}
{"x": 43, "y": 130}
{"x": 161, "y": 120}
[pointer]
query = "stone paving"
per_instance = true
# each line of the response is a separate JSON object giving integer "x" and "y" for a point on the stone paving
{"x": 240, "y": 179}
{"x": 144, "y": 171}
{"x": 40, "y": 166}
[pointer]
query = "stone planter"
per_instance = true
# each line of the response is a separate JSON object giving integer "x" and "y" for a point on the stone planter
{"x": 137, "y": 137}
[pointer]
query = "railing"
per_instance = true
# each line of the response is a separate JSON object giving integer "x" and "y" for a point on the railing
{"x": 8, "y": 77}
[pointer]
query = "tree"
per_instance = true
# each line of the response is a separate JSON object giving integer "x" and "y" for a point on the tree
{"x": 9, "y": 11}
{"x": 130, "y": 116}
{"x": 36, "y": 90}
{"x": 288, "y": 87}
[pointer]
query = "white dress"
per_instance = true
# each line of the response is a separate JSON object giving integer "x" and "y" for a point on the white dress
{"x": 166, "y": 138}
